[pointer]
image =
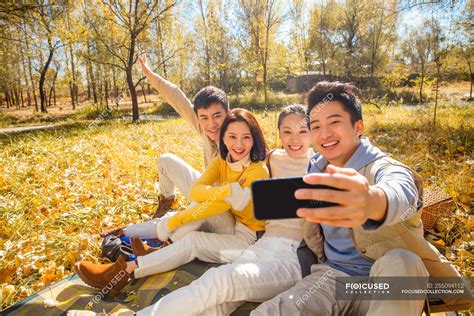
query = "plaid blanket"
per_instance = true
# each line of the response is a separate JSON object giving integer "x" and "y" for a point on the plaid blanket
{"x": 72, "y": 293}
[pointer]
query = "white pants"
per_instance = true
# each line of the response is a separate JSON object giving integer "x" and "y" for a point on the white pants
{"x": 205, "y": 246}
{"x": 264, "y": 270}
{"x": 220, "y": 224}
{"x": 306, "y": 299}
{"x": 175, "y": 172}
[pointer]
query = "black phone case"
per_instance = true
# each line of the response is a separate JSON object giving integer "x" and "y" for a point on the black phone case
{"x": 275, "y": 198}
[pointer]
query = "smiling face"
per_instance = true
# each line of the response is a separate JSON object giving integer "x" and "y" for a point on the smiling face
{"x": 238, "y": 140}
{"x": 294, "y": 135}
{"x": 333, "y": 134}
{"x": 211, "y": 120}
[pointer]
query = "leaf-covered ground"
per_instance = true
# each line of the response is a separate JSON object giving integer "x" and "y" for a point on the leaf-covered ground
{"x": 59, "y": 189}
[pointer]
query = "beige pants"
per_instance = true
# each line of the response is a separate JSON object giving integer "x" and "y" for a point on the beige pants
{"x": 307, "y": 299}
{"x": 265, "y": 269}
{"x": 205, "y": 246}
{"x": 175, "y": 172}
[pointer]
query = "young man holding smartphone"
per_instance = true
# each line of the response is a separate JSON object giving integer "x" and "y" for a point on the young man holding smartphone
{"x": 375, "y": 231}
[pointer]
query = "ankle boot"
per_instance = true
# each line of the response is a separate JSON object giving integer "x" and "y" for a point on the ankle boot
{"x": 139, "y": 248}
{"x": 164, "y": 205}
{"x": 110, "y": 278}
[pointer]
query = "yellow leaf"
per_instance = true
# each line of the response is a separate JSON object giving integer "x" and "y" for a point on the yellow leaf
{"x": 71, "y": 256}
{"x": 7, "y": 291}
{"x": 60, "y": 272}
{"x": 90, "y": 202}
{"x": 47, "y": 278}
{"x": 6, "y": 275}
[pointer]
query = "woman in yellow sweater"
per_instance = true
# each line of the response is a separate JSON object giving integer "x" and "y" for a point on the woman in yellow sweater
{"x": 223, "y": 186}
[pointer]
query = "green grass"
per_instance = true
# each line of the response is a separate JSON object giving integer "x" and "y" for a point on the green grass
{"x": 60, "y": 188}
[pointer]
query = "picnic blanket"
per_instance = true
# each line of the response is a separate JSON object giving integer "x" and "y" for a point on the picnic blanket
{"x": 72, "y": 293}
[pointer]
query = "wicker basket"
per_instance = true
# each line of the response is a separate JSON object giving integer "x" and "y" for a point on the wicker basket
{"x": 436, "y": 204}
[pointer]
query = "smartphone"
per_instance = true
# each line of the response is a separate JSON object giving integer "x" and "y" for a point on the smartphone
{"x": 275, "y": 198}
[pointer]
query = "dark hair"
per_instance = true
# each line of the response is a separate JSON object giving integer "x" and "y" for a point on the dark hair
{"x": 259, "y": 148}
{"x": 290, "y": 109}
{"x": 209, "y": 95}
{"x": 343, "y": 92}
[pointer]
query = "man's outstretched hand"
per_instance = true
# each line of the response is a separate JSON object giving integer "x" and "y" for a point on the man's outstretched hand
{"x": 143, "y": 61}
{"x": 357, "y": 203}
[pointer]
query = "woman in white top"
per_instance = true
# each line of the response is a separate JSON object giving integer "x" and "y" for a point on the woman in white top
{"x": 268, "y": 267}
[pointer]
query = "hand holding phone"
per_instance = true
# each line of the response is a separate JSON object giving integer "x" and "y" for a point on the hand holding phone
{"x": 275, "y": 198}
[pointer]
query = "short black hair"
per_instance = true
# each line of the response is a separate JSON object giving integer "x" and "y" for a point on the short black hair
{"x": 290, "y": 109}
{"x": 344, "y": 92}
{"x": 209, "y": 95}
{"x": 259, "y": 149}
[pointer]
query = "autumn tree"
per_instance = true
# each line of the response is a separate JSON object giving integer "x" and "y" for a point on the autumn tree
{"x": 323, "y": 36}
{"x": 417, "y": 48}
{"x": 260, "y": 21}
{"x": 379, "y": 35}
{"x": 130, "y": 19}
{"x": 300, "y": 38}
{"x": 213, "y": 45}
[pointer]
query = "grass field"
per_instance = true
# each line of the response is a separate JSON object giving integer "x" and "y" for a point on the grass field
{"x": 59, "y": 189}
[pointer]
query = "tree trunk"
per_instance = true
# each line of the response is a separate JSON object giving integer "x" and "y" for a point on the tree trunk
{"x": 50, "y": 98}
{"x": 93, "y": 82}
{"x": 54, "y": 95}
{"x": 472, "y": 81}
{"x": 162, "y": 51}
{"x": 106, "y": 90}
{"x": 114, "y": 81}
{"x": 42, "y": 79}
{"x": 28, "y": 97}
{"x": 22, "y": 100}
{"x": 131, "y": 86}
{"x": 71, "y": 93}
{"x": 7, "y": 99}
{"x": 265, "y": 62}
{"x": 133, "y": 95}
{"x": 52, "y": 90}
{"x": 46, "y": 100}
{"x": 206, "y": 46}
{"x": 142, "y": 85}
{"x": 30, "y": 72}
{"x": 88, "y": 82}
{"x": 75, "y": 98}
{"x": 17, "y": 98}
{"x": 421, "y": 83}
{"x": 438, "y": 78}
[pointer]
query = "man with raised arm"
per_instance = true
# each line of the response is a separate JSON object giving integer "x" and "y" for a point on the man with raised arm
{"x": 205, "y": 117}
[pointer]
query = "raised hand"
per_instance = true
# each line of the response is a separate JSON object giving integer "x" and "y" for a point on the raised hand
{"x": 143, "y": 61}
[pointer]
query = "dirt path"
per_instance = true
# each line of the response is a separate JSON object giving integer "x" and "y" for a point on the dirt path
{"x": 22, "y": 129}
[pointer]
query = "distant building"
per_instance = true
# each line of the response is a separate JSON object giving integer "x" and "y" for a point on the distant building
{"x": 304, "y": 80}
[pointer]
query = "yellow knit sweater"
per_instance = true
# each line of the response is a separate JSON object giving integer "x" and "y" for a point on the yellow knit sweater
{"x": 211, "y": 198}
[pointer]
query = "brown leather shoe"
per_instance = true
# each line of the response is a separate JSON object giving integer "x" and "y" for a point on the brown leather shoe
{"x": 164, "y": 205}
{"x": 110, "y": 278}
{"x": 139, "y": 248}
{"x": 116, "y": 231}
